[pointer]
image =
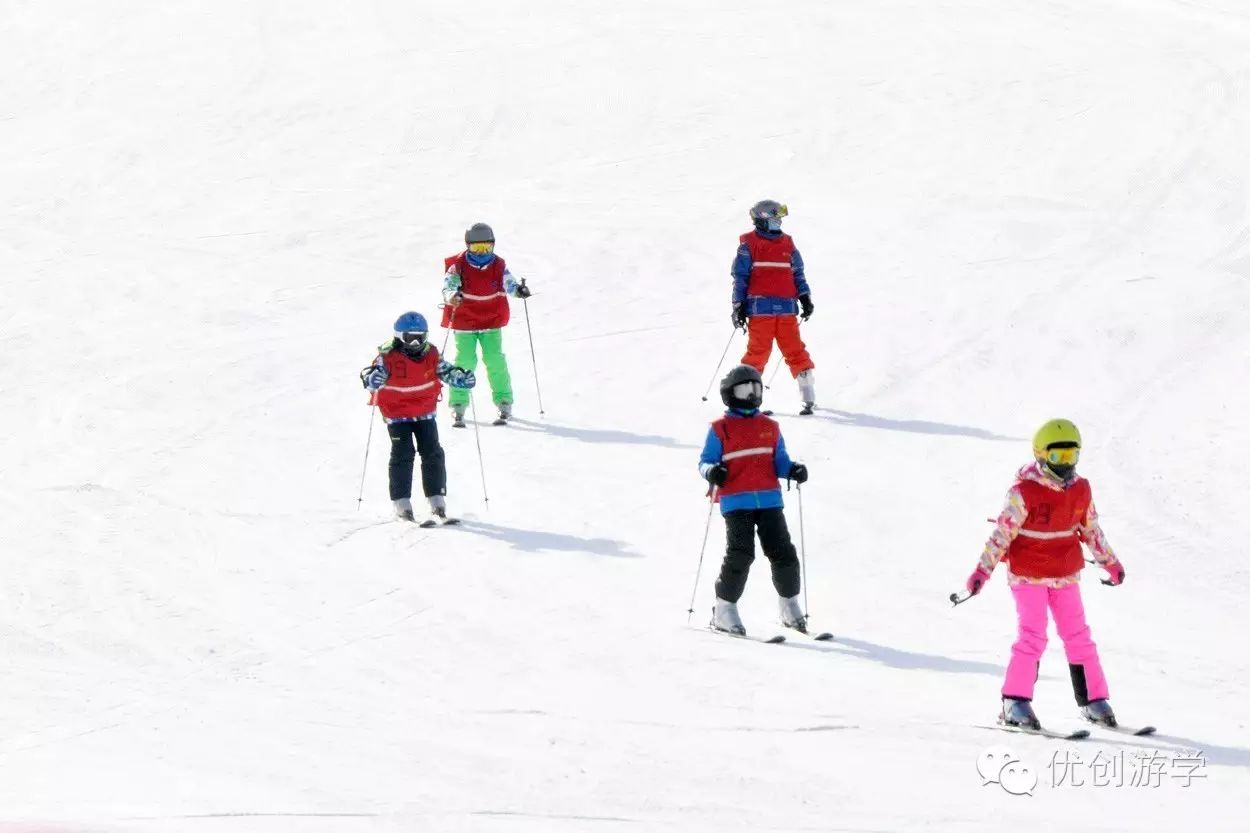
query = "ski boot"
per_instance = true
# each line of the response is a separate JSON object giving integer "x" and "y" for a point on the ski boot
{"x": 791, "y": 614}
{"x": 807, "y": 390}
{"x": 438, "y": 513}
{"x": 1018, "y": 712}
{"x": 505, "y": 413}
{"x": 403, "y": 509}
{"x": 1099, "y": 711}
{"x": 457, "y": 416}
{"x": 725, "y": 618}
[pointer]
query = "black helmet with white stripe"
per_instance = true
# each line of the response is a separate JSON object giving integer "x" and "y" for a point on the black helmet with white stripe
{"x": 742, "y": 388}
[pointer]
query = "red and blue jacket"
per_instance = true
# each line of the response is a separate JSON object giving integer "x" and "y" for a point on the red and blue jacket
{"x": 409, "y": 386}
{"x": 752, "y": 448}
{"x": 768, "y": 274}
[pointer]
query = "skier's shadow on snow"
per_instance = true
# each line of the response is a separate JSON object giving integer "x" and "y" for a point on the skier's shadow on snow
{"x": 1211, "y": 753}
{"x": 912, "y": 426}
{"x": 910, "y": 660}
{"x": 533, "y": 540}
{"x": 592, "y": 435}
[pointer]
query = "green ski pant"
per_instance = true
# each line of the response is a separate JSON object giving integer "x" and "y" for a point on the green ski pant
{"x": 494, "y": 359}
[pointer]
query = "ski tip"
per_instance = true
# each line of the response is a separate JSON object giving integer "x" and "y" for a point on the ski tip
{"x": 1079, "y": 734}
{"x": 775, "y": 640}
{"x": 823, "y": 637}
{"x": 1145, "y": 730}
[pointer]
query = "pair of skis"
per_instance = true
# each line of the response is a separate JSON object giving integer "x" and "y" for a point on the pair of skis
{"x": 1076, "y": 734}
{"x": 775, "y": 639}
{"x": 432, "y": 521}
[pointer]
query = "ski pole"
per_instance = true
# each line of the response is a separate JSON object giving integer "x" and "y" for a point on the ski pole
{"x": 711, "y": 504}
{"x": 364, "y": 468}
{"x": 803, "y": 550}
{"x": 773, "y": 375}
{"x": 450, "y": 322}
{"x": 712, "y": 381}
{"x": 526, "y": 303}
{"x": 478, "y": 439}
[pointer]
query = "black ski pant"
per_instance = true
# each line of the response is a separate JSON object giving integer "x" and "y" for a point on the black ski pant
{"x": 424, "y": 432}
{"x": 740, "y": 528}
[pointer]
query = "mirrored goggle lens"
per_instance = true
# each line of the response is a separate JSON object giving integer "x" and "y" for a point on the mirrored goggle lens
{"x": 782, "y": 211}
{"x": 748, "y": 390}
{"x": 1063, "y": 456}
{"x": 481, "y": 248}
{"x": 413, "y": 338}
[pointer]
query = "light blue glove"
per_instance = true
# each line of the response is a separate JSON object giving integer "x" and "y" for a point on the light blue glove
{"x": 377, "y": 378}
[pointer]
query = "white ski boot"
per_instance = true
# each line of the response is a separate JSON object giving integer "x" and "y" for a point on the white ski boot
{"x": 505, "y": 413}
{"x": 725, "y": 618}
{"x": 792, "y": 614}
{"x": 438, "y": 513}
{"x": 457, "y": 416}
{"x": 807, "y": 390}
{"x": 403, "y": 509}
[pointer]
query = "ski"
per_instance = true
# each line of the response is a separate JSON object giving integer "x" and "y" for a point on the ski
{"x": 1076, "y": 734}
{"x": 819, "y": 636}
{"x": 436, "y": 521}
{"x": 1135, "y": 731}
{"x": 767, "y": 640}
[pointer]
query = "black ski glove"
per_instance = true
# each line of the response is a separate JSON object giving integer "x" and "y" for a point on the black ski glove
{"x": 718, "y": 474}
{"x": 805, "y": 301}
{"x": 798, "y": 473}
{"x": 523, "y": 291}
{"x": 739, "y": 315}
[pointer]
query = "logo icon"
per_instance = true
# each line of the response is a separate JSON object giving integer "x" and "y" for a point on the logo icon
{"x": 999, "y": 765}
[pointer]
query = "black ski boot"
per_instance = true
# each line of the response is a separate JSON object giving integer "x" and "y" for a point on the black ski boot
{"x": 1099, "y": 711}
{"x": 1018, "y": 712}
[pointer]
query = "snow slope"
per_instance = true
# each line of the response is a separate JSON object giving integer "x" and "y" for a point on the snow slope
{"x": 212, "y": 211}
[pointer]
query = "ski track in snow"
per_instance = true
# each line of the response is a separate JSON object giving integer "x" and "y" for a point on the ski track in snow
{"x": 212, "y": 213}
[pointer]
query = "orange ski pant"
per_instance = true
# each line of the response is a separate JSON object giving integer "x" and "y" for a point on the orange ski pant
{"x": 763, "y": 330}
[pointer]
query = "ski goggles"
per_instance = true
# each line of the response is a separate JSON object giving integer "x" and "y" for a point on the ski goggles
{"x": 412, "y": 338}
{"x": 481, "y": 248}
{"x": 782, "y": 211}
{"x": 747, "y": 391}
{"x": 1063, "y": 456}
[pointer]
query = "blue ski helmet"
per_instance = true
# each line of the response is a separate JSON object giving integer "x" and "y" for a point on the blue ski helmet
{"x": 411, "y": 329}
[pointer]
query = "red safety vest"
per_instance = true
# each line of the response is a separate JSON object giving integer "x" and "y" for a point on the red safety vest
{"x": 1048, "y": 545}
{"x": 772, "y": 275}
{"x": 485, "y": 304}
{"x": 748, "y": 448}
{"x": 413, "y": 387}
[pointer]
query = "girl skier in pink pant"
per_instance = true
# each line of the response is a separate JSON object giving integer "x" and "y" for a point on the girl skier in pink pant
{"x": 1049, "y": 514}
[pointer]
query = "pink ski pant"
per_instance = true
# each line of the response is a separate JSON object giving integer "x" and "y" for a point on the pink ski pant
{"x": 1032, "y": 601}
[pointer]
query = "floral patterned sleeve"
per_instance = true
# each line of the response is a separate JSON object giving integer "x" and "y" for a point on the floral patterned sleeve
{"x": 1092, "y": 535}
{"x": 1006, "y": 528}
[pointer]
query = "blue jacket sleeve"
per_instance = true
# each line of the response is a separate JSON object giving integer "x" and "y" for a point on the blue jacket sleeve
{"x": 712, "y": 452}
{"x": 781, "y": 460}
{"x": 800, "y": 278}
{"x": 741, "y": 271}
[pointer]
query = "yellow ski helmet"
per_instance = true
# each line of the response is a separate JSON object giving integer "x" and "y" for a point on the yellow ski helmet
{"x": 1054, "y": 432}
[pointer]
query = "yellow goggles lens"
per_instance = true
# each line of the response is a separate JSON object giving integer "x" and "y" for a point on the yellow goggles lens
{"x": 1063, "y": 456}
{"x": 481, "y": 248}
{"x": 782, "y": 211}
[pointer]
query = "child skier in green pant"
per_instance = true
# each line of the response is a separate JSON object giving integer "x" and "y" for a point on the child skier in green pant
{"x": 476, "y": 288}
